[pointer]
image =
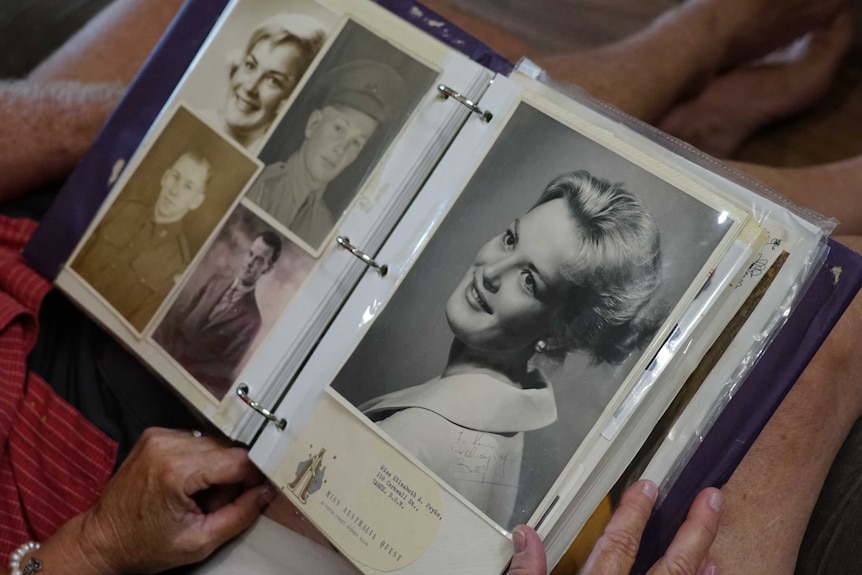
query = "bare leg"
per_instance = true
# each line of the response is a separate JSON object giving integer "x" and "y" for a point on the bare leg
{"x": 645, "y": 74}
{"x": 738, "y": 103}
{"x": 772, "y": 493}
{"x": 684, "y": 49}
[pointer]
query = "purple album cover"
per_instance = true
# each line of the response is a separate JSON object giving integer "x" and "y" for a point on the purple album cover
{"x": 430, "y": 22}
{"x": 747, "y": 412}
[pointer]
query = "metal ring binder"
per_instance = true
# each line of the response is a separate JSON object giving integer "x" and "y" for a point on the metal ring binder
{"x": 344, "y": 242}
{"x": 448, "y": 92}
{"x": 242, "y": 392}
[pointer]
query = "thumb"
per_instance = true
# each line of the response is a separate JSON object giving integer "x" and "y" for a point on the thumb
{"x": 529, "y": 557}
{"x": 237, "y": 516}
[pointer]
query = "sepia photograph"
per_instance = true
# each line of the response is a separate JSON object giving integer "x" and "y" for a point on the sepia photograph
{"x": 253, "y": 63}
{"x": 354, "y": 104}
{"x": 526, "y": 312}
{"x": 165, "y": 211}
{"x": 232, "y": 298}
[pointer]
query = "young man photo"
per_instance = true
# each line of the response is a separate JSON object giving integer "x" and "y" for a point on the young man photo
{"x": 211, "y": 332}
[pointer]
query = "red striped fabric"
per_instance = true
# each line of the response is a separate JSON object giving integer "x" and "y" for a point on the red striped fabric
{"x": 53, "y": 462}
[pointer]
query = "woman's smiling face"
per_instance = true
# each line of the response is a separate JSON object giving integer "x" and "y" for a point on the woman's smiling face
{"x": 263, "y": 80}
{"x": 516, "y": 282}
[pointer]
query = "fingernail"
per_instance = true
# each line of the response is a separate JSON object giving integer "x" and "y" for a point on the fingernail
{"x": 519, "y": 539}
{"x": 267, "y": 495}
{"x": 711, "y": 569}
{"x": 716, "y": 501}
{"x": 650, "y": 490}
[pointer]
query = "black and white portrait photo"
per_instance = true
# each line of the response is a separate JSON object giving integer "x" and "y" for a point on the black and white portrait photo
{"x": 166, "y": 210}
{"x": 231, "y": 300}
{"x": 354, "y": 103}
{"x": 253, "y": 64}
{"x": 509, "y": 336}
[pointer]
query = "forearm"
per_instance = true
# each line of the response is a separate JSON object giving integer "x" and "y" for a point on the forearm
{"x": 645, "y": 74}
{"x": 113, "y": 45}
{"x": 46, "y": 128}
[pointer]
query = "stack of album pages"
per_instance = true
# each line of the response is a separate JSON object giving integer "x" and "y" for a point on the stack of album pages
{"x": 436, "y": 301}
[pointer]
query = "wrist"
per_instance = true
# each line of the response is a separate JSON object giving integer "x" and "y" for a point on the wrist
{"x": 71, "y": 551}
{"x": 21, "y": 562}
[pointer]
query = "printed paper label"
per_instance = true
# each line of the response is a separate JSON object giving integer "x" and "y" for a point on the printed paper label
{"x": 373, "y": 503}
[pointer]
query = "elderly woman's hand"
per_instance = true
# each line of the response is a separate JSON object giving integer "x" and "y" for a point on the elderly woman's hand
{"x": 614, "y": 553}
{"x": 153, "y": 515}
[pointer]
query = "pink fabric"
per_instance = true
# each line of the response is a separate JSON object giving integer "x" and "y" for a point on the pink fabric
{"x": 53, "y": 462}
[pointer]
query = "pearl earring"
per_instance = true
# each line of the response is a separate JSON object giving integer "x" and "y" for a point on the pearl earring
{"x": 541, "y": 346}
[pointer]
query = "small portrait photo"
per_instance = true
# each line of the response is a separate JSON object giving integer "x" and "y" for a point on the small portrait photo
{"x": 252, "y": 65}
{"x": 231, "y": 300}
{"x": 354, "y": 104}
{"x": 526, "y": 312}
{"x": 183, "y": 186}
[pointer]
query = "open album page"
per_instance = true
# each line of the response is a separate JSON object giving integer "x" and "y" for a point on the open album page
{"x": 532, "y": 281}
{"x": 299, "y": 122}
{"x": 790, "y": 247}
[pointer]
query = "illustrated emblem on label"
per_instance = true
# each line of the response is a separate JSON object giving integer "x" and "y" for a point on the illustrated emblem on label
{"x": 309, "y": 476}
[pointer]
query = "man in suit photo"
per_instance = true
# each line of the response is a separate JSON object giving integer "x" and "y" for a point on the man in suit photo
{"x": 210, "y": 333}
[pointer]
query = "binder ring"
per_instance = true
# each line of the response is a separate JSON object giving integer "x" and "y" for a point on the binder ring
{"x": 448, "y": 92}
{"x": 344, "y": 242}
{"x": 242, "y": 392}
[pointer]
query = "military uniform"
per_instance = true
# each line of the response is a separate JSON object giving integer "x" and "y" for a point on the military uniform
{"x": 284, "y": 194}
{"x": 132, "y": 261}
{"x": 285, "y": 190}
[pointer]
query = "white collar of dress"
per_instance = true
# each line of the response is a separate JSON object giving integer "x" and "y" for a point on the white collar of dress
{"x": 476, "y": 401}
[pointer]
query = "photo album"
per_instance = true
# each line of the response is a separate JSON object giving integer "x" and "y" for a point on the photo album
{"x": 436, "y": 300}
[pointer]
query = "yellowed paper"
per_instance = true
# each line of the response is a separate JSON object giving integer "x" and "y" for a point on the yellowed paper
{"x": 375, "y": 505}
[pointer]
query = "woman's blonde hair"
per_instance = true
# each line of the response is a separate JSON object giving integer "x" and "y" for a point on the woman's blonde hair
{"x": 304, "y": 32}
{"x": 610, "y": 309}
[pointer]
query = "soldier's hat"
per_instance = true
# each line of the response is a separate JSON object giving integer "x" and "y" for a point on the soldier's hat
{"x": 365, "y": 85}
